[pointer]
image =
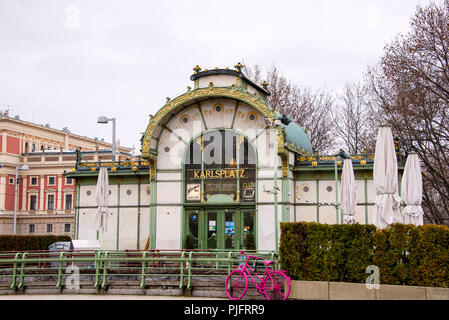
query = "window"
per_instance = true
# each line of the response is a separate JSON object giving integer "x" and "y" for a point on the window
{"x": 33, "y": 181}
{"x": 51, "y": 202}
{"x": 49, "y": 227}
{"x": 33, "y": 202}
{"x": 11, "y": 180}
{"x": 68, "y": 202}
{"x": 68, "y": 181}
{"x": 220, "y": 163}
{"x": 67, "y": 227}
{"x": 31, "y": 228}
{"x": 51, "y": 181}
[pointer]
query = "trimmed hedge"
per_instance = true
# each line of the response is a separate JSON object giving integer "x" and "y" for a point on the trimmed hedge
{"x": 23, "y": 243}
{"x": 405, "y": 254}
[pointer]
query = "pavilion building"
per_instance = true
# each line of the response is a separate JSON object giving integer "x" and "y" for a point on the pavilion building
{"x": 219, "y": 169}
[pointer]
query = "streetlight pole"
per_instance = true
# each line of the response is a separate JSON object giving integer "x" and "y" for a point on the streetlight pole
{"x": 16, "y": 182}
{"x": 103, "y": 119}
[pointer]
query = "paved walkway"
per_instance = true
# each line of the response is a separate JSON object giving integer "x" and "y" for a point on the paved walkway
{"x": 98, "y": 297}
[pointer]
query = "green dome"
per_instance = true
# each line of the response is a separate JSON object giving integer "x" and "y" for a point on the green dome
{"x": 294, "y": 134}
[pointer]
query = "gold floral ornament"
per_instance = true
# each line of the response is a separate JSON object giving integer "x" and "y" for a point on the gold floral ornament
{"x": 113, "y": 169}
{"x": 73, "y": 170}
{"x": 339, "y": 162}
{"x": 239, "y": 66}
{"x": 93, "y": 169}
{"x": 265, "y": 84}
{"x": 314, "y": 163}
{"x": 197, "y": 69}
{"x": 363, "y": 162}
{"x": 134, "y": 168}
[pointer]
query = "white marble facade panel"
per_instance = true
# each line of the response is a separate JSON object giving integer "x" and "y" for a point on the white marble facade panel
{"x": 87, "y": 231}
{"x": 128, "y": 195}
{"x": 186, "y": 124}
{"x": 169, "y": 192}
{"x": 144, "y": 227}
{"x": 218, "y": 113}
{"x": 249, "y": 121}
{"x": 170, "y": 152}
{"x": 168, "y": 227}
{"x": 265, "y": 227}
{"x": 219, "y": 80}
{"x": 87, "y": 195}
{"x": 128, "y": 228}
{"x": 327, "y": 191}
{"x": 145, "y": 194}
{"x": 305, "y": 191}
{"x": 305, "y": 213}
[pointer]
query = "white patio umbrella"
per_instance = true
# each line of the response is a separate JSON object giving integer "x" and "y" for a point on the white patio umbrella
{"x": 386, "y": 180}
{"x": 348, "y": 192}
{"x": 412, "y": 191}
{"x": 102, "y": 196}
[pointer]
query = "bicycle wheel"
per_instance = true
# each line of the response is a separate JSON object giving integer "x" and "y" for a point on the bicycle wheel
{"x": 236, "y": 284}
{"x": 276, "y": 286}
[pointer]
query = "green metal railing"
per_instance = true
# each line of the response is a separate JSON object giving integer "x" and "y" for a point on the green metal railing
{"x": 98, "y": 269}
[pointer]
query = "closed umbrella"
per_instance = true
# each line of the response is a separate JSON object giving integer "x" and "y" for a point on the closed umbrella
{"x": 348, "y": 192}
{"x": 386, "y": 180}
{"x": 412, "y": 191}
{"x": 102, "y": 196}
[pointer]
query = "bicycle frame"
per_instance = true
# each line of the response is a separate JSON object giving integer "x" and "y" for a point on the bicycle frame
{"x": 247, "y": 269}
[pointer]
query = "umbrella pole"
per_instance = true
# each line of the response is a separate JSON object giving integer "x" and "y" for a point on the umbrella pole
{"x": 336, "y": 188}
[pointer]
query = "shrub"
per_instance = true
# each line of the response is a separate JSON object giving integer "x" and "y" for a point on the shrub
{"x": 312, "y": 251}
{"x": 27, "y": 243}
{"x": 405, "y": 254}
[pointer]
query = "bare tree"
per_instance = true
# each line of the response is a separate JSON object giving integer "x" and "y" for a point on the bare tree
{"x": 410, "y": 90}
{"x": 311, "y": 109}
{"x": 352, "y": 120}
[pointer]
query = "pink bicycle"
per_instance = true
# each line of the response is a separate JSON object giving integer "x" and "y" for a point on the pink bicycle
{"x": 274, "y": 284}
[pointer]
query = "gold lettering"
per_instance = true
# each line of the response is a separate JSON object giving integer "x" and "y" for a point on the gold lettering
{"x": 195, "y": 174}
{"x": 242, "y": 173}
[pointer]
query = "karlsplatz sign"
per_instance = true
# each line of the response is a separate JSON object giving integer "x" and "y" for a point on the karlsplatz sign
{"x": 219, "y": 173}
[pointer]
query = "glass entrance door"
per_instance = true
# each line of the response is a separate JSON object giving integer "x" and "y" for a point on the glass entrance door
{"x": 220, "y": 229}
{"x": 223, "y": 229}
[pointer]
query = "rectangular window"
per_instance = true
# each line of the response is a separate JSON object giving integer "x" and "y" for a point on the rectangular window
{"x": 51, "y": 202}
{"x": 33, "y": 202}
{"x": 67, "y": 227}
{"x": 31, "y": 228}
{"x": 11, "y": 180}
{"x": 68, "y": 202}
{"x": 49, "y": 227}
{"x": 33, "y": 181}
{"x": 51, "y": 181}
{"x": 68, "y": 181}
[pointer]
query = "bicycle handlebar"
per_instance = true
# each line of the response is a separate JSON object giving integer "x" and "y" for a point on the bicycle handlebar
{"x": 251, "y": 257}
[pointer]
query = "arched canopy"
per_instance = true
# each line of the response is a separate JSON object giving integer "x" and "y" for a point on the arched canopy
{"x": 149, "y": 139}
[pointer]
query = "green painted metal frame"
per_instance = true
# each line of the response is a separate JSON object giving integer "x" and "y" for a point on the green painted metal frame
{"x": 103, "y": 262}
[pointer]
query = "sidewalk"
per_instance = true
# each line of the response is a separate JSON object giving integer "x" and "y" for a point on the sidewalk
{"x": 98, "y": 297}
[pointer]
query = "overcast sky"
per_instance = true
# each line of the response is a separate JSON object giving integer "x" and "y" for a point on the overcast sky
{"x": 67, "y": 62}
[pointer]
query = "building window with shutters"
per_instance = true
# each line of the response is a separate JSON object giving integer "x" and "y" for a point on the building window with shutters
{"x": 51, "y": 202}
{"x": 68, "y": 201}
{"x": 33, "y": 202}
